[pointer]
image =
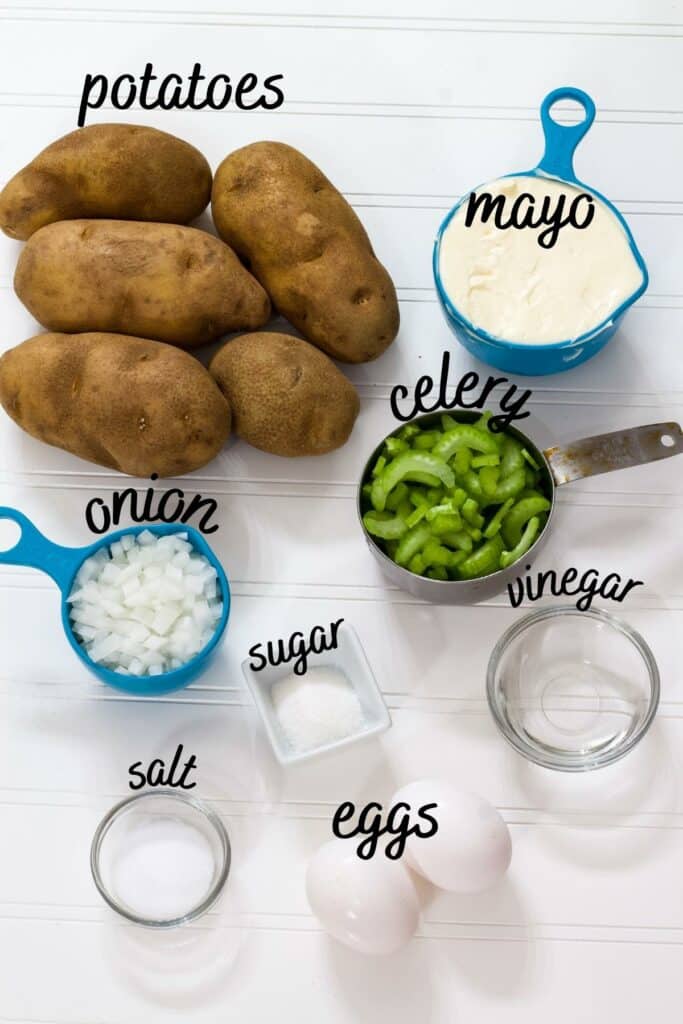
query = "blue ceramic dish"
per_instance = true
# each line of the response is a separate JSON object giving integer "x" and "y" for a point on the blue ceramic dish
{"x": 533, "y": 359}
{"x": 37, "y": 552}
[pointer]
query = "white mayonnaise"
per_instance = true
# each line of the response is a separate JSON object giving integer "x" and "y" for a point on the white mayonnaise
{"x": 504, "y": 281}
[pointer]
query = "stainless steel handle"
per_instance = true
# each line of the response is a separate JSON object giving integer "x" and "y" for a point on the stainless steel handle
{"x": 606, "y": 452}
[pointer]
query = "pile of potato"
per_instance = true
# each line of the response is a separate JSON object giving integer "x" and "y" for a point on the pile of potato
{"x": 123, "y": 286}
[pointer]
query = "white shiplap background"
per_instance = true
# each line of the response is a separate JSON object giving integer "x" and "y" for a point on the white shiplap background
{"x": 404, "y": 106}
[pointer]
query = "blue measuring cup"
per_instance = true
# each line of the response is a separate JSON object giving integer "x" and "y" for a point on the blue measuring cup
{"x": 35, "y": 551}
{"x": 556, "y": 163}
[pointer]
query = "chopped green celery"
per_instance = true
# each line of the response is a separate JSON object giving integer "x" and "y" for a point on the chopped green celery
{"x": 412, "y": 542}
{"x": 528, "y": 537}
{"x": 408, "y": 432}
{"x": 460, "y": 540}
{"x": 483, "y": 561}
{"x": 495, "y": 524}
{"x": 417, "y": 497}
{"x": 456, "y": 558}
{"x": 512, "y": 456}
{"x": 465, "y": 436}
{"x": 472, "y": 485}
{"x": 530, "y": 459}
{"x": 427, "y": 439}
{"x": 416, "y": 515}
{"x": 379, "y": 466}
{"x": 447, "y": 507}
{"x": 436, "y": 554}
{"x": 417, "y": 564}
{"x": 434, "y": 495}
{"x": 488, "y": 478}
{"x": 462, "y": 460}
{"x": 429, "y": 495}
{"x": 437, "y": 510}
{"x": 471, "y": 513}
{"x": 457, "y": 496}
{"x": 405, "y": 465}
{"x": 497, "y": 435}
{"x": 445, "y": 522}
{"x": 384, "y": 525}
{"x": 395, "y": 445}
{"x": 427, "y": 479}
{"x": 510, "y": 486}
{"x": 485, "y": 460}
{"x": 520, "y": 515}
{"x": 399, "y": 494}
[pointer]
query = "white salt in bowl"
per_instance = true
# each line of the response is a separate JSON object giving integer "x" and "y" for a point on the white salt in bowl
{"x": 160, "y": 859}
{"x": 350, "y": 659}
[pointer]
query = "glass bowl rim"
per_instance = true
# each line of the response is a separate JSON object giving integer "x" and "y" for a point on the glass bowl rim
{"x": 118, "y": 811}
{"x": 571, "y": 763}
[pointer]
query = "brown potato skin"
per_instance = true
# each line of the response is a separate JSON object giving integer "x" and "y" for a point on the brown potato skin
{"x": 123, "y": 171}
{"x": 129, "y": 404}
{"x": 286, "y": 397}
{"x": 162, "y": 281}
{"x": 307, "y": 247}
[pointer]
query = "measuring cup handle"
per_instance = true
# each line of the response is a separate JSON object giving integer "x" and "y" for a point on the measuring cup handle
{"x": 561, "y": 140}
{"x": 591, "y": 456}
{"x": 37, "y": 552}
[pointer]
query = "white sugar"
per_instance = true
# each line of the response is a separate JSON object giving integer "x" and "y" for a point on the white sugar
{"x": 317, "y": 708}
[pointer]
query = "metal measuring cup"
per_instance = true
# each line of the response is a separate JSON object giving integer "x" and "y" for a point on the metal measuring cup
{"x": 559, "y": 464}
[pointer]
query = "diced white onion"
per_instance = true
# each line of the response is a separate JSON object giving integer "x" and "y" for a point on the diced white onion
{"x": 147, "y": 605}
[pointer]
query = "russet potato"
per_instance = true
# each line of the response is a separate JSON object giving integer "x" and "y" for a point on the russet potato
{"x": 304, "y": 243}
{"x": 162, "y": 281}
{"x": 130, "y": 404}
{"x": 123, "y": 171}
{"x": 286, "y": 397}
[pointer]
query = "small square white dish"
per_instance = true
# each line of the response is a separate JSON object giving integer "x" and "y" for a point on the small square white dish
{"x": 350, "y": 659}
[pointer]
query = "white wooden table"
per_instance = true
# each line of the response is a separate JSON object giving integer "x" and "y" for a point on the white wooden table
{"x": 405, "y": 106}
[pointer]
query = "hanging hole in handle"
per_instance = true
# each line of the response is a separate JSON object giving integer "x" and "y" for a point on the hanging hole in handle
{"x": 575, "y": 102}
{"x": 667, "y": 440}
{"x": 561, "y": 139}
{"x": 10, "y": 534}
{"x": 568, "y": 111}
{"x": 571, "y": 113}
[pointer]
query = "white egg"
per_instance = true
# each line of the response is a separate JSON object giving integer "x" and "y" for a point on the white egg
{"x": 472, "y": 848}
{"x": 369, "y": 905}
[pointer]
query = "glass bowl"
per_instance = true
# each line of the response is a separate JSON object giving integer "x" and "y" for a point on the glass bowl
{"x": 160, "y": 859}
{"x": 572, "y": 690}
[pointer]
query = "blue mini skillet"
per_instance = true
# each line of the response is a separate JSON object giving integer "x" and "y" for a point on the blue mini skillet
{"x": 556, "y": 163}
{"x": 62, "y": 564}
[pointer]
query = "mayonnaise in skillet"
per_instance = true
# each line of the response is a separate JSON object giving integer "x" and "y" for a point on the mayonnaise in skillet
{"x": 506, "y": 283}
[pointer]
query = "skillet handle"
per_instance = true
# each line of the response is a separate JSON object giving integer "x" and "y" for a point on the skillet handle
{"x": 37, "y": 552}
{"x": 561, "y": 140}
{"x": 606, "y": 452}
